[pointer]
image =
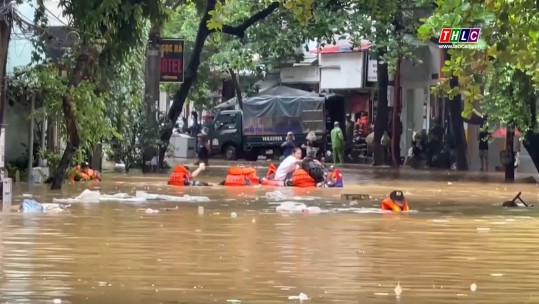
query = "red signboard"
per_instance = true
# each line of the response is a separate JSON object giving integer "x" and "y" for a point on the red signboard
{"x": 171, "y": 51}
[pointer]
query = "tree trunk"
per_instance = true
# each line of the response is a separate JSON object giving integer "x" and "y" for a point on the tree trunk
{"x": 509, "y": 146}
{"x": 237, "y": 88}
{"x": 5, "y": 31}
{"x": 194, "y": 62}
{"x": 397, "y": 128}
{"x": 191, "y": 74}
{"x": 459, "y": 136}
{"x": 151, "y": 90}
{"x": 73, "y": 141}
{"x": 382, "y": 119}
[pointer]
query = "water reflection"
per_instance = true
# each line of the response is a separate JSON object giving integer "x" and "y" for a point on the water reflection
{"x": 111, "y": 253}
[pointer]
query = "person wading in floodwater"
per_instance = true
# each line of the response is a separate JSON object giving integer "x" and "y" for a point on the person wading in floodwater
{"x": 203, "y": 152}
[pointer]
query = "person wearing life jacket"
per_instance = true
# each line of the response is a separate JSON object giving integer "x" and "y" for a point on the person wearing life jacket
{"x": 314, "y": 168}
{"x": 241, "y": 176}
{"x": 181, "y": 176}
{"x": 277, "y": 177}
{"x": 396, "y": 202}
{"x": 83, "y": 172}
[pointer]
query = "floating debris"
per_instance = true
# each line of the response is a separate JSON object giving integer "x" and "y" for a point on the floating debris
{"x": 301, "y": 297}
{"x": 355, "y": 197}
{"x": 233, "y": 215}
{"x": 398, "y": 290}
{"x": 496, "y": 274}
{"x": 473, "y": 287}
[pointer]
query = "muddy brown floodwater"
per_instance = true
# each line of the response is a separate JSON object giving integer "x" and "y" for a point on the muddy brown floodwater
{"x": 110, "y": 252}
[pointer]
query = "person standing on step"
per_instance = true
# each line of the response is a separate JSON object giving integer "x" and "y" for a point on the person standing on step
{"x": 337, "y": 144}
{"x": 484, "y": 137}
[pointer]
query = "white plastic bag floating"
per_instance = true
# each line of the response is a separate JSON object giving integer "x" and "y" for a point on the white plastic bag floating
{"x": 301, "y": 297}
{"x": 171, "y": 198}
{"x": 87, "y": 196}
{"x": 294, "y": 207}
{"x": 277, "y": 196}
{"x": 121, "y": 197}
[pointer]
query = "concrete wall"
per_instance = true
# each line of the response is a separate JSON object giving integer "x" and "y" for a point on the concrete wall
{"x": 16, "y": 131}
{"x": 19, "y": 54}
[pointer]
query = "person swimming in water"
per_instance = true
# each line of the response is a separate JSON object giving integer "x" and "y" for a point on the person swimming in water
{"x": 396, "y": 202}
{"x": 183, "y": 177}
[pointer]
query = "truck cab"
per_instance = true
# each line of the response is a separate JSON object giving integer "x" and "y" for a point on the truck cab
{"x": 225, "y": 134}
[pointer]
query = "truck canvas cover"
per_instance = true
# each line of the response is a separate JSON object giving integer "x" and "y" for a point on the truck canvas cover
{"x": 283, "y": 109}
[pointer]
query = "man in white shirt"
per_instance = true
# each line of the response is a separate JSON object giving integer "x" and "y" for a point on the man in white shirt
{"x": 288, "y": 165}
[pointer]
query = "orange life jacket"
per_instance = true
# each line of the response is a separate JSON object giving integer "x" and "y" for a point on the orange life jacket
{"x": 301, "y": 178}
{"x": 178, "y": 176}
{"x": 271, "y": 171}
{"x": 241, "y": 176}
{"x": 85, "y": 176}
{"x": 390, "y": 205}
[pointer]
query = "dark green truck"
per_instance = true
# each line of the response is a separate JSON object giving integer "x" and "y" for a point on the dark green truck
{"x": 261, "y": 127}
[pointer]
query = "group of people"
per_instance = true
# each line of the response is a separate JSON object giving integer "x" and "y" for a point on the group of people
{"x": 294, "y": 167}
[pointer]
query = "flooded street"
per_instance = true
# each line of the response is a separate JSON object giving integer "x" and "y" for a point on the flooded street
{"x": 111, "y": 252}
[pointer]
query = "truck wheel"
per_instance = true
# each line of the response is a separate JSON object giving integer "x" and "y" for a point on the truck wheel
{"x": 230, "y": 153}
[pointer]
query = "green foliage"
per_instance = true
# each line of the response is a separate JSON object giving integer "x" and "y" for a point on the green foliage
{"x": 142, "y": 133}
{"x": 106, "y": 104}
{"x": 509, "y": 48}
{"x": 508, "y": 94}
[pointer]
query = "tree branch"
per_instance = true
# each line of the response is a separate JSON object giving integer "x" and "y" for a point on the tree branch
{"x": 239, "y": 31}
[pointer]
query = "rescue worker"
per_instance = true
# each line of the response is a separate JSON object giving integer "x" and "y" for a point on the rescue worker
{"x": 396, "y": 202}
{"x": 241, "y": 176}
{"x": 182, "y": 177}
{"x": 314, "y": 168}
{"x": 83, "y": 172}
{"x": 337, "y": 144}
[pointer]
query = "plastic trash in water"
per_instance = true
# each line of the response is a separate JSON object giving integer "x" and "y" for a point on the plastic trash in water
{"x": 151, "y": 211}
{"x": 31, "y": 206}
{"x": 294, "y": 207}
{"x": 57, "y": 301}
{"x": 398, "y": 290}
{"x": 290, "y": 207}
{"x": 233, "y": 215}
{"x": 200, "y": 210}
{"x": 171, "y": 198}
{"x": 301, "y": 297}
{"x": 275, "y": 196}
{"x": 234, "y": 301}
{"x": 473, "y": 287}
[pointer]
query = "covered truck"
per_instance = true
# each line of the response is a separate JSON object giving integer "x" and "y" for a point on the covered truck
{"x": 261, "y": 126}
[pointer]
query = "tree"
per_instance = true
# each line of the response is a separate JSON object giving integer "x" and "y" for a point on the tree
{"x": 108, "y": 30}
{"x": 219, "y": 17}
{"x": 385, "y": 24}
{"x": 505, "y": 58}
